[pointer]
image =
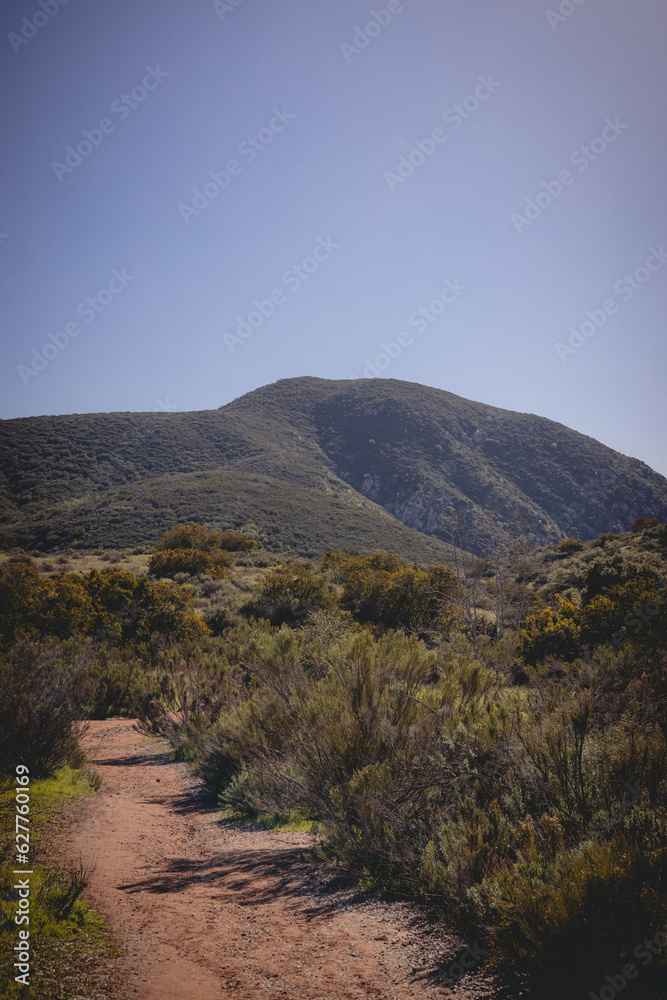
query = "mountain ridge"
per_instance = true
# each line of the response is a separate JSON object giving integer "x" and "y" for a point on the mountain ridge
{"x": 388, "y": 456}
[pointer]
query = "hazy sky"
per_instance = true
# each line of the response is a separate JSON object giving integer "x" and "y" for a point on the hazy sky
{"x": 200, "y": 198}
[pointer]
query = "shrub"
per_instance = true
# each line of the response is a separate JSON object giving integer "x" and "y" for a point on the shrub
{"x": 22, "y": 557}
{"x": 106, "y": 679}
{"x": 187, "y": 536}
{"x": 635, "y": 609}
{"x": 220, "y": 619}
{"x": 602, "y": 540}
{"x": 230, "y": 541}
{"x": 183, "y": 694}
{"x": 568, "y": 545}
{"x": 567, "y": 927}
{"x": 363, "y": 747}
{"x": 288, "y": 594}
{"x": 67, "y": 608}
{"x": 193, "y": 549}
{"x": 551, "y": 632}
{"x": 642, "y": 523}
{"x": 383, "y": 591}
{"x": 22, "y": 597}
{"x": 196, "y": 536}
{"x": 37, "y": 716}
{"x": 113, "y": 606}
{"x": 112, "y": 556}
{"x": 169, "y": 562}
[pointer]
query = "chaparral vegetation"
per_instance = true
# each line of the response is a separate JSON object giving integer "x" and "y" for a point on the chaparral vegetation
{"x": 485, "y": 736}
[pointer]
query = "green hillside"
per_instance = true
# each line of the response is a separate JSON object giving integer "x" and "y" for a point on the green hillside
{"x": 284, "y": 517}
{"x": 316, "y": 464}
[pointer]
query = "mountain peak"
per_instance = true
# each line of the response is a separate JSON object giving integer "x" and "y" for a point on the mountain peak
{"x": 365, "y": 464}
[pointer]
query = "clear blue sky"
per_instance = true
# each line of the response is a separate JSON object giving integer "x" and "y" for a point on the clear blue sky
{"x": 306, "y": 122}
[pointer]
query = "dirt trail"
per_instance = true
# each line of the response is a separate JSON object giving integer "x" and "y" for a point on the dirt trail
{"x": 205, "y": 910}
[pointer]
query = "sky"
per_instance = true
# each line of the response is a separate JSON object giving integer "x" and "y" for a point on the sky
{"x": 199, "y": 198}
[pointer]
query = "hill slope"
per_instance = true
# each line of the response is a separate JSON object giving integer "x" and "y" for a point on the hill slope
{"x": 317, "y": 464}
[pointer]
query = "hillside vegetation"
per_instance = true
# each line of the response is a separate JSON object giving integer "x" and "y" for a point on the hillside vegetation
{"x": 307, "y": 465}
{"x": 486, "y": 737}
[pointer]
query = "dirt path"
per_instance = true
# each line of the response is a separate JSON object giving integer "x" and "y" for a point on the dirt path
{"x": 204, "y": 910}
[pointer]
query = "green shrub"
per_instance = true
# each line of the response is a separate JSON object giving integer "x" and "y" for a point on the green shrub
{"x": 288, "y": 594}
{"x": 168, "y": 562}
{"x": 642, "y": 523}
{"x": 550, "y": 632}
{"x": 183, "y": 694}
{"x": 38, "y": 720}
{"x": 22, "y": 596}
{"x": 202, "y": 539}
{"x": 565, "y": 928}
{"x": 113, "y": 606}
{"x": 568, "y": 545}
{"x": 608, "y": 615}
{"x": 383, "y": 591}
{"x": 231, "y": 541}
{"x": 195, "y": 550}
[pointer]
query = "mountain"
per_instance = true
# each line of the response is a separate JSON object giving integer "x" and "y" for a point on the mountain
{"x": 308, "y": 464}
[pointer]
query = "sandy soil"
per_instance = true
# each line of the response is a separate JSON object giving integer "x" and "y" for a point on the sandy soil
{"x": 205, "y": 910}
